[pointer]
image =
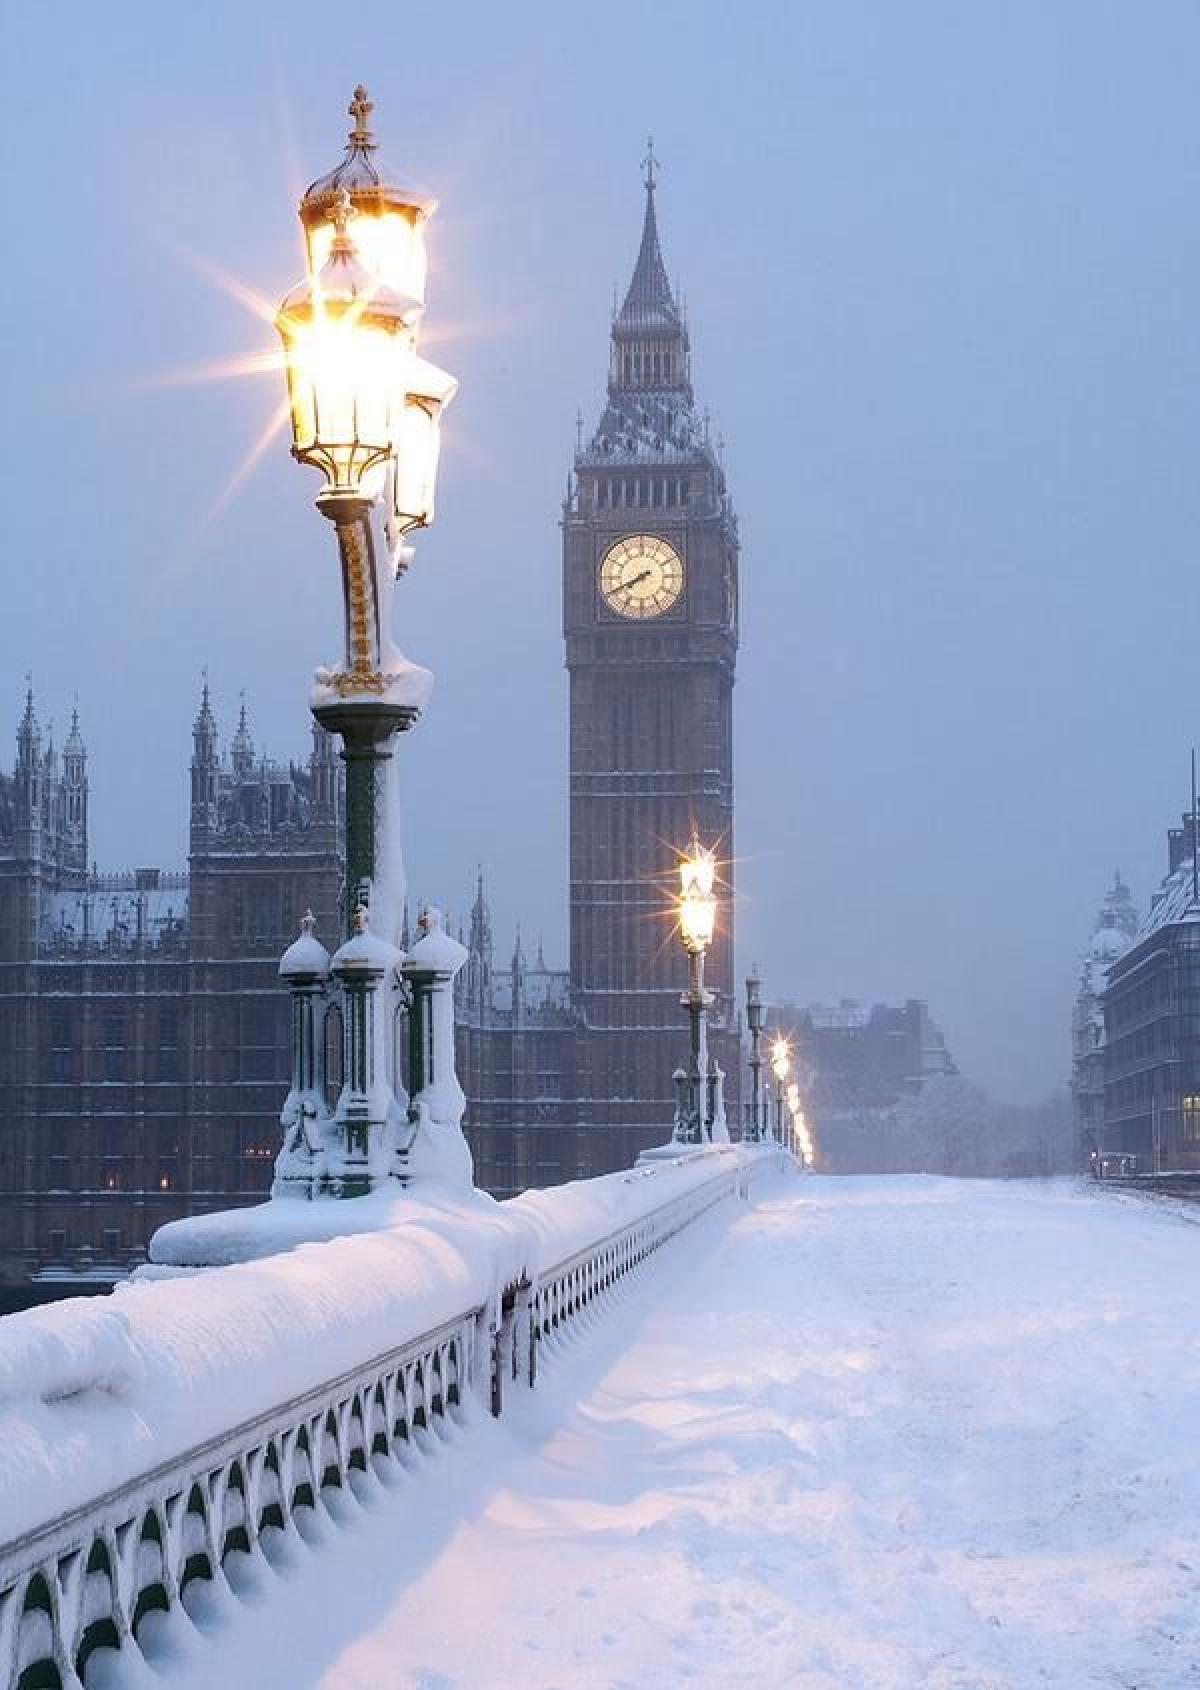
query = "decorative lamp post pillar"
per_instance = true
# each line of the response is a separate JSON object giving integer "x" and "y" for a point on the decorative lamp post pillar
{"x": 781, "y": 1067}
{"x": 365, "y": 411}
{"x": 754, "y": 1021}
{"x": 305, "y": 968}
{"x": 697, "y": 913}
{"x": 436, "y": 1100}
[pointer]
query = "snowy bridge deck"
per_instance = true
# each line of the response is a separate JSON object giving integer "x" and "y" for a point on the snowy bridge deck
{"x": 866, "y": 1433}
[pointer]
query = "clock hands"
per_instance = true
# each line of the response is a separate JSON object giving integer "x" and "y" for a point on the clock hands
{"x": 628, "y": 586}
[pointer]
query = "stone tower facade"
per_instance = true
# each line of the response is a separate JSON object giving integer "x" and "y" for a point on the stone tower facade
{"x": 650, "y": 616}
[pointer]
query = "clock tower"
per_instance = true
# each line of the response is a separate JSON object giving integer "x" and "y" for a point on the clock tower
{"x": 650, "y": 555}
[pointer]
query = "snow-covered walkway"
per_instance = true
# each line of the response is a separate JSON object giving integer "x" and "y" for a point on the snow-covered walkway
{"x": 905, "y": 1433}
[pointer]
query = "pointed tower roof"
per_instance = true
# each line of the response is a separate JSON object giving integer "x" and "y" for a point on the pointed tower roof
{"x": 481, "y": 921}
{"x": 242, "y": 746}
{"x": 29, "y": 734}
{"x": 74, "y": 746}
{"x": 205, "y": 721}
{"x": 649, "y": 302}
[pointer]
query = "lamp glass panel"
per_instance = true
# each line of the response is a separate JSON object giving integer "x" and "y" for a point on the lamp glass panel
{"x": 417, "y": 440}
{"x": 697, "y": 919}
{"x": 389, "y": 245}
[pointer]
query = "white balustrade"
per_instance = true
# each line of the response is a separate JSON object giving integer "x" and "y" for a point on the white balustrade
{"x": 90, "y": 1578}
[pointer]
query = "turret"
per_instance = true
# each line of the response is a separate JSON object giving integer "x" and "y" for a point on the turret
{"x": 479, "y": 952}
{"x": 75, "y": 798}
{"x": 29, "y": 784}
{"x": 323, "y": 769}
{"x": 205, "y": 767}
{"x": 241, "y": 749}
{"x": 518, "y": 980}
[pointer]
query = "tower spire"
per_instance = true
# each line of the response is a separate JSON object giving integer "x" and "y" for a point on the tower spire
{"x": 29, "y": 734}
{"x": 242, "y": 746}
{"x": 649, "y": 302}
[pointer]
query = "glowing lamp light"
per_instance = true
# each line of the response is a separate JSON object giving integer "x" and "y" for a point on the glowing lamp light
{"x": 781, "y": 1058}
{"x": 793, "y": 1097}
{"x": 388, "y": 213}
{"x": 347, "y": 341}
{"x": 697, "y": 901}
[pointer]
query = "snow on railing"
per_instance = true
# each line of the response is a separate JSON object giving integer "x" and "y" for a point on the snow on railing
{"x": 146, "y": 1440}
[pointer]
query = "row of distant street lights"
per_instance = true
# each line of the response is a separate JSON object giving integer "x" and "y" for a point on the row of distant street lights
{"x": 695, "y": 1114}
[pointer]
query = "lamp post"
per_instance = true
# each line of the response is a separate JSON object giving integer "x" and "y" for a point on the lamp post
{"x": 365, "y": 411}
{"x": 754, "y": 1021}
{"x": 697, "y": 914}
{"x": 781, "y": 1067}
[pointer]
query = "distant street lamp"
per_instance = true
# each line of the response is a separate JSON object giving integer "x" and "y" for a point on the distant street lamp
{"x": 781, "y": 1067}
{"x": 365, "y": 411}
{"x": 697, "y": 915}
{"x": 793, "y": 1103}
{"x": 755, "y": 1125}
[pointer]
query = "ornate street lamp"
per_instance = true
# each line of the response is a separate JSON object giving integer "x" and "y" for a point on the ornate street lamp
{"x": 781, "y": 1067}
{"x": 754, "y": 1021}
{"x": 365, "y": 412}
{"x": 697, "y": 915}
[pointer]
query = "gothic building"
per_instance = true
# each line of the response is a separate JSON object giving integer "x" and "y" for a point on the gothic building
{"x": 143, "y": 1034}
{"x": 1151, "y": 1007}
{"x": 1112, "y": 935}
{"x": 571, "y": 1073}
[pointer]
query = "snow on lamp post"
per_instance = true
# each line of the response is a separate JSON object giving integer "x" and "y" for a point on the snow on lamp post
{"x": 697, "y": 916}
{"x": 365, "y": 412}
{"x": 781, "y": 1067}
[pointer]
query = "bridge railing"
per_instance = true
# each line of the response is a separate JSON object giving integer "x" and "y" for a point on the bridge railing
{"x": 87, "y": 1575}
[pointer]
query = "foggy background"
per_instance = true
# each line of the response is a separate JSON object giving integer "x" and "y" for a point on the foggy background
{"x": 942, "y": 267}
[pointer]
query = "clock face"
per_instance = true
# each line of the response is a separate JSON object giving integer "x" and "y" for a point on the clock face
{"x": 641, "y": 576}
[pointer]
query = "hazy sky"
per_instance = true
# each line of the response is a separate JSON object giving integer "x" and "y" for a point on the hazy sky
{"x": 942, "y": 264}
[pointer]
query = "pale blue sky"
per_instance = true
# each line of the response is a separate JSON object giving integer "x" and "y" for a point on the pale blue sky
{"x": 943, "y": 272}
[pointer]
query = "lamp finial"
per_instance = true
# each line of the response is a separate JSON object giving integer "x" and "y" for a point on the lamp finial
{"x": 360, "y": 109}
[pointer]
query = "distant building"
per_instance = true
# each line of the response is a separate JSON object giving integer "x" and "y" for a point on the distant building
{"x": 856, "y": 1062}
{"x": 1152, "y": 1024}
{"x": 518, "y": 1055}
{"x": 144, "y": 1038}
{"x": 1113, "y": 933}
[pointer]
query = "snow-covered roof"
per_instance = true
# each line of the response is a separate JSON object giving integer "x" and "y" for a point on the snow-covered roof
{"x": 117, "y": 911}
{"x": 849, "y": 1015}
{"x": 1175, "y": 901}
{"x": 654, "y": 425}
